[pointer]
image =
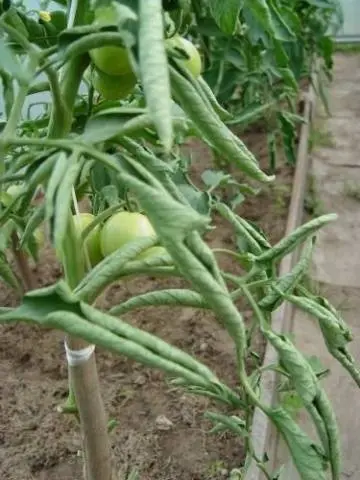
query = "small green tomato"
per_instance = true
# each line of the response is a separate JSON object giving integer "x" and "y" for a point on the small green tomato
{"x": 92, "y": 241}
{"x": 193, "y": 63}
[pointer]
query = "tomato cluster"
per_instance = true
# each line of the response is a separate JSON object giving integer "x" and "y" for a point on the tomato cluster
{"x": 118, "y": 230}
{"x": 113, "y": 77}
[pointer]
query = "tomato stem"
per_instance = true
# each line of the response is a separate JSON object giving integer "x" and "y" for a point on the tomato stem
{"x": 64, "y": 96}
{"x": 22, "y": 263}
{"x": 92, "y": 41}
{"x": 17, "y": 107}
{"x": 83, "y": 378}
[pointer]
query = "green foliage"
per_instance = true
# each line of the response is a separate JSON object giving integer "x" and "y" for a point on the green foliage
{"x": 154, "y": 70}
{"x": 255, "y": 64}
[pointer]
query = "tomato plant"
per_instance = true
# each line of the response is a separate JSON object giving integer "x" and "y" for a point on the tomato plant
{"x": 255, "y": 66}
{"x": 126, "y": 153}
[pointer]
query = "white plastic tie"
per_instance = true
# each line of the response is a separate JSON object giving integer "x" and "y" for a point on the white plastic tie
{"x": 78, "y": 357}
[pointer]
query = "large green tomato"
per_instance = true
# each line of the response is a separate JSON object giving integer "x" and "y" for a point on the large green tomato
{"x": 92, "y": 242}
{"x": 122, "y": 228}
{"x": 110, "y": 59}
{"x": 111, "y": 87}
{"x": 193, "y": 63}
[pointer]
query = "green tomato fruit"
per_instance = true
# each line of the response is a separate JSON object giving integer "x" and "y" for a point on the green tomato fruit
{"x": 92, "y": 242}
{"x": 110, "y": 59}
{"x": 122, "y": 228}
{"x": 111, "y": 87}
{"x": 193, "y": 63}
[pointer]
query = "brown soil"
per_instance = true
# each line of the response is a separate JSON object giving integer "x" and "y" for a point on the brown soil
{"x": 37, "y": 443}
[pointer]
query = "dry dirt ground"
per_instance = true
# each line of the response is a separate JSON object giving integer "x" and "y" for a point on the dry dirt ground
{"x": 37, "y": 443}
